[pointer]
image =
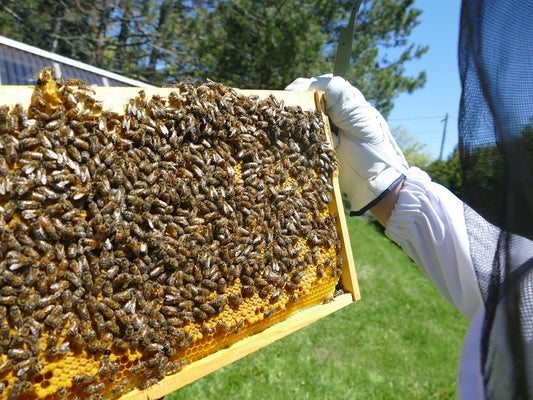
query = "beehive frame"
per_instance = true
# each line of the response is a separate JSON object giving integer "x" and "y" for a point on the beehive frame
{"x": 115, "y": 98}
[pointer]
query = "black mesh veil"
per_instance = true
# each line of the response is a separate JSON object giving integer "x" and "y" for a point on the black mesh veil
{"x": 496, "y": 149}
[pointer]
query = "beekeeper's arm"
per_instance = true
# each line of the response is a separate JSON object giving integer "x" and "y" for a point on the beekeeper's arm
{"x": 424, "y": 218}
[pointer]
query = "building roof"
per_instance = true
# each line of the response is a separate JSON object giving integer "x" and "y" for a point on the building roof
{"x": 20, "y": 63}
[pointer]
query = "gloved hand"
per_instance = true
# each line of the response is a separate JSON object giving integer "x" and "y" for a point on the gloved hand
{"x": 370, "y": 162}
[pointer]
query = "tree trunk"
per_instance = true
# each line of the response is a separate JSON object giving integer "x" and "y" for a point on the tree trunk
{"x": 163, "y": 14}
{"x": 101, "y": 41}
{"x": 118, "y": 62}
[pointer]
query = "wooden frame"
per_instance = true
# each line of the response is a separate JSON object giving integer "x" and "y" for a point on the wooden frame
{"x": 113, "y": 98}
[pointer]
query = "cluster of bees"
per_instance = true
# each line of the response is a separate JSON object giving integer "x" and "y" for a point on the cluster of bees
{"x": 130, "y": 241}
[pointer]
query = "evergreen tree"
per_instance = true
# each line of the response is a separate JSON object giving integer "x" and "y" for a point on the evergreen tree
{"x": 268, "y": 43}
{"x": 261, "y": 44}
{"x": 66, "y": 27}
{"x": 448, "y": 172}
{"x": 381, "y": 49}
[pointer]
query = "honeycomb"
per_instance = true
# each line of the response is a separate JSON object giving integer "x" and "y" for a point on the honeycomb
{"x": 135, "y": 244}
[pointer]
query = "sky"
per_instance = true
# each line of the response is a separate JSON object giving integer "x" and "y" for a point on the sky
{"x": 422, "y": 112}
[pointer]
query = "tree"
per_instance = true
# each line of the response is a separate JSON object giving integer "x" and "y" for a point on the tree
{"x": 448, "y": 173}
{"x": 411, "y": 148}
{"x": 62, "y": 26}
{"x": 261, "y": 44}
{"x": 125, "y": 36}
{"x": 153, "y": 38}
{"x": 381, "y": 49}
{"x": 498, "y": 178}
{"x": 267, "y": 44}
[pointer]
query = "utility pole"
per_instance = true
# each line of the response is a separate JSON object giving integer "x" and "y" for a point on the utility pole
{"x": 445, "y": 120}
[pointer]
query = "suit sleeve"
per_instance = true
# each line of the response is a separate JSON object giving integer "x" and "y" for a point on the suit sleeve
{"x": 428, "y": 223}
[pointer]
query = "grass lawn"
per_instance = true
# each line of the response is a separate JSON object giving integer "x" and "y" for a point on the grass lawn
{"x": 400, "y": 341}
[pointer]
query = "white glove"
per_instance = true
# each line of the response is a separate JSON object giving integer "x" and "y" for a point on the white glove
{"x": 370, "y": 162}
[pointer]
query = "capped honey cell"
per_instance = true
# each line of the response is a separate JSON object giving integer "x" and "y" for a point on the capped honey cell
{"x": 136, "y": 243}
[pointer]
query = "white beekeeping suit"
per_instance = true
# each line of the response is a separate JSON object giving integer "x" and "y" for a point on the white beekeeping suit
{"x": 478, "y": 251}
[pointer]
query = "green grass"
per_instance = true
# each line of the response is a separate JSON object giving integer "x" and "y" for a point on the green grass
{"x": 400, "y": 341}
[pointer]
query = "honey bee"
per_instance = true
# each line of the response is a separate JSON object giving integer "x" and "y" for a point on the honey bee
{"x": 4, "y": 167}
{"x": 206, "y": 330}
{"x": 15, "y": 315}
{"x": 28, "y": 372}
{"x": 6, "y": 365}
{"x": 320, "y": 270}
{"x": 19, "y": 354}
{"x": 186, "y": 341}
{"x": 55, "y": 319}
{"x": 198, "y": 314}
{"x": 121, "y": 386}
{"x": 83, "y": 379}
{"x": 62, "y": 349}
{"x": 265, "y": 291}
{"x": 276, "y": 294}
{"x": 10, "y": 145}
{"x": 94, "y": 388}
{"x": 113, "y": 371}
{"x": 99, "y": 323}
{"x": 223, "y": 327}
{"x": 248, "y": 290}
{"x": 82, "y": 311}
{"x": 15, "y": 390}
{"x": 207, "y": 309}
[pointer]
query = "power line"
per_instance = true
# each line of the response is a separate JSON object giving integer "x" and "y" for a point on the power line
{"x": 445, "y": 120}
{"x": 417, "y": 118}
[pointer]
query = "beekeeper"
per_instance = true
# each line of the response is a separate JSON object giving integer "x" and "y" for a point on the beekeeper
{"x": 483, "y": 268}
